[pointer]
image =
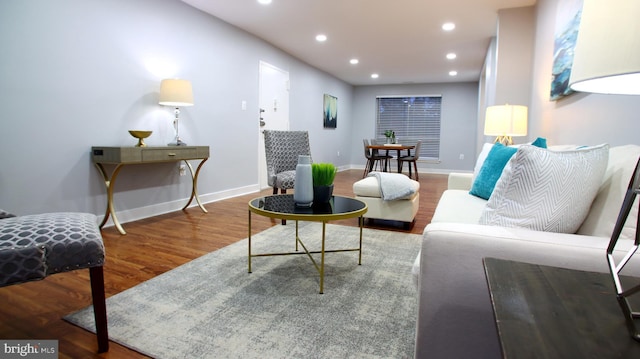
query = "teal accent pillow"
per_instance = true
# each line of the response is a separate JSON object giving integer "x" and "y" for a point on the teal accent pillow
{"x": 540, "y": 142}
{"x": 491, "y": 170}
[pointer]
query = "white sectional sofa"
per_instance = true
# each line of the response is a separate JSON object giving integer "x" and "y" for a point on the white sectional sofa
{"x": 455, "y": 314}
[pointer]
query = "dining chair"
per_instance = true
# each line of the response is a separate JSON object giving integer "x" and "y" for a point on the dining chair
{"x": 282, "y": 149}
{"x": 388, "y": 155}
{"x": 373, "y": 159}
{"x": 412, "y": 159}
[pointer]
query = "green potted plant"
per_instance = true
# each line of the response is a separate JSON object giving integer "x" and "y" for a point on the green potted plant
{"x": 391, "y": 136}
{"x": 323, "y": 175}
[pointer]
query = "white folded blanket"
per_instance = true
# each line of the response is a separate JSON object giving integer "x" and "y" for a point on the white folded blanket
{"x": 394, "y": 185}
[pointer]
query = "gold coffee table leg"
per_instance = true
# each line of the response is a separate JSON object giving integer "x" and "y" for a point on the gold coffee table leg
{"x": 361, "y": 222}
{"x": 297, "y": 236}
{"x": 324, "y": 225}
{"x": 249, "y": 242}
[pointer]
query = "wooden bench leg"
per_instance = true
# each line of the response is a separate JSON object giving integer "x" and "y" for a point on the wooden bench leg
{"x": 99, "y": 307}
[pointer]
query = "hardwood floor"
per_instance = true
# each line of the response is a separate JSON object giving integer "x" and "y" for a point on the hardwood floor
{"x": 151, "y": 247}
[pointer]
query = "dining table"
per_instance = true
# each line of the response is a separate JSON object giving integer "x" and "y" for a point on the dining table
{"x": 394, "y": 146}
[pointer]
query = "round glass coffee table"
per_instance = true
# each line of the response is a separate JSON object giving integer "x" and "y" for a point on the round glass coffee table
{"x": 282, "y": 206}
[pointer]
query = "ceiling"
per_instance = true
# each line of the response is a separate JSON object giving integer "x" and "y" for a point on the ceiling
{"x": 401, "y": 40}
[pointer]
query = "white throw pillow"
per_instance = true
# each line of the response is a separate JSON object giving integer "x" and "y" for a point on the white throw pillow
{"x": 608, "y": 202}
{"x": 545, "y": 190}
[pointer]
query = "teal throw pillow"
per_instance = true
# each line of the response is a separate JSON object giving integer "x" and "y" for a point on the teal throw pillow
{"x": 540, "y": 142}
{"x": 492, "y": 167}
{"x": 491, "y": 170}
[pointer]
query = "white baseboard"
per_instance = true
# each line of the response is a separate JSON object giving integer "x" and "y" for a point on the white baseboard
{"x": 136, "y": 214}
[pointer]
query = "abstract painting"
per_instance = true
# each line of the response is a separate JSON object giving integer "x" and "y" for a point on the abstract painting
{"x": 330, "y": 112}
{"x": 566, "y": 33}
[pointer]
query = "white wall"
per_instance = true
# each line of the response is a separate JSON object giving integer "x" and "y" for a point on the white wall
{"x": 579, "y": 118}
{"x": 514, "y": 56}
{"x": 80, "y": 73}
{"x": 506, "y": 76}
{"x": 458, "y": 121}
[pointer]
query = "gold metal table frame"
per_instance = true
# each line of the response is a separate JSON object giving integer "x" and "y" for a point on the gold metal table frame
{"x": 121, "y": 156}
{"x": 310, "y": 217}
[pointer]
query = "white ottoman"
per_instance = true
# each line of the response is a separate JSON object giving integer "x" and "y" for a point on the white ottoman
{"x": 404, "y": 210}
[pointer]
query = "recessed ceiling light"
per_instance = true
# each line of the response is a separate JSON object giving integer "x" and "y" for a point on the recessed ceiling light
{"x": 264, "y": 2}
{"x": 354, "y": 61}
{"x": 321, "y": 38}
{"x": 448, "y": 26}
{"x": 374, "y": 76}
{"x": 451, "y": 56}
{"x": 453, "y": 73}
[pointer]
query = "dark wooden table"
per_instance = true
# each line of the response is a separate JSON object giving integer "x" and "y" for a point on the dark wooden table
{"x": 398, "y": 147}
{"x": 549, "y": 312}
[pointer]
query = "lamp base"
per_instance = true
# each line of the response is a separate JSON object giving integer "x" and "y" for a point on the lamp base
{"x": 177, "y": 142}
{"x": 505, "y": 140}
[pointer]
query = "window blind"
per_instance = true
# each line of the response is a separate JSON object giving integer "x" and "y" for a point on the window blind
{"x": 412, "y": 118}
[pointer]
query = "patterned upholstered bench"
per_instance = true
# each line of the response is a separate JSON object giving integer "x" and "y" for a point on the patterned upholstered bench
{"x": 35, "y": 246}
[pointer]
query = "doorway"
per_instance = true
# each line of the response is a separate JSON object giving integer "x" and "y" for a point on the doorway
{"x": 274, "y": 110}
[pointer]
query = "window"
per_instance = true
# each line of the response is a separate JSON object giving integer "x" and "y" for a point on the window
{"x": 412, "y": 118}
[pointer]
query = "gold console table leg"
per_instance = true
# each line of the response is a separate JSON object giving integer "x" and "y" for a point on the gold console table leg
{"x": 109, "y": 183}
{"x": 194, "y": 185}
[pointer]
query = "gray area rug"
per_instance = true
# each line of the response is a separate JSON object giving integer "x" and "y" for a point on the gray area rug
{"x": 212, "y": 308}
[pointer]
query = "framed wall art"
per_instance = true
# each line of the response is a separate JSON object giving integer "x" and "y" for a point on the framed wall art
{"x": 330, "y": 111}
{"x": 566, "y": 33}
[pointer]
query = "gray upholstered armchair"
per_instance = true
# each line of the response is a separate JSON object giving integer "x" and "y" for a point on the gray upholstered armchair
{"x": 282, "y": 149}
{"x": 35, "y": 246}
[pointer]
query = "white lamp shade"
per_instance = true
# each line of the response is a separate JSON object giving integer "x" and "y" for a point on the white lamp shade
{"x": 506, "y": 120}
{"x": 607, "y": 52}
{"x": 175, "y": 92}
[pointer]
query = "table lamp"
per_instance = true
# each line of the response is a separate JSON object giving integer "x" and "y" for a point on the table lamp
{"x": 607, "y": 61}
{"x": 176, "y": 93}
{"x": 505, "y": 121}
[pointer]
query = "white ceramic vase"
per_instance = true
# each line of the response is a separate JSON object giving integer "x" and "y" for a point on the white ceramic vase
{"x": 303, "y": 187}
